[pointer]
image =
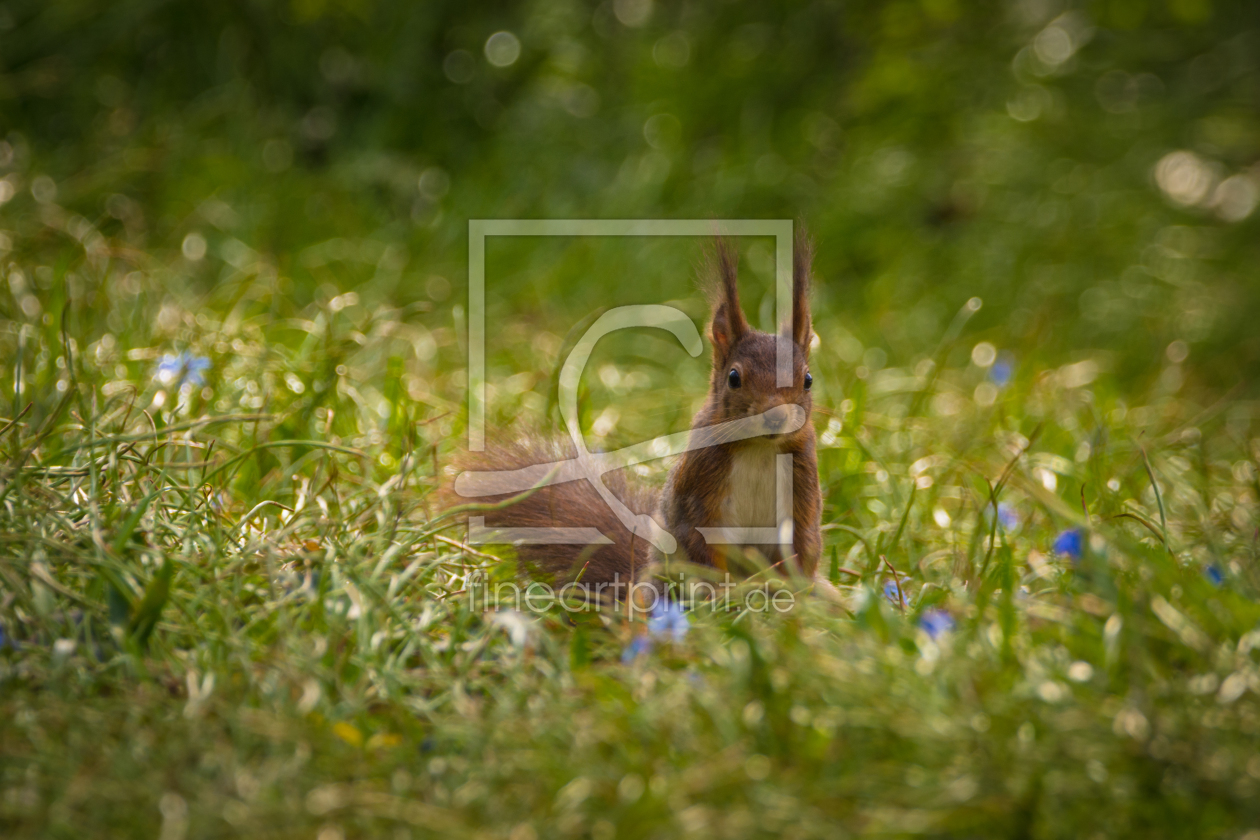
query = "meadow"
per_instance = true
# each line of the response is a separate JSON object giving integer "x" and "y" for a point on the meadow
{"x": 233, "y": 375}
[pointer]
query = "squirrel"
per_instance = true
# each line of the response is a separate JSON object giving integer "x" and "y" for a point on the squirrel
{"x": 748, "y": 438}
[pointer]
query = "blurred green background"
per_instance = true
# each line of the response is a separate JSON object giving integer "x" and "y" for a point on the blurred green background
{"x": 1088, "y": 170}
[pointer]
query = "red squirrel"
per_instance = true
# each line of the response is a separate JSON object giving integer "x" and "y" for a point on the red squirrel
{"x": 724, "y": 480}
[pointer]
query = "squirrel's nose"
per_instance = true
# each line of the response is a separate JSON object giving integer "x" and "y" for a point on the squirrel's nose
{"x": 782, "y": 418}
{"x": 777, "y": 418}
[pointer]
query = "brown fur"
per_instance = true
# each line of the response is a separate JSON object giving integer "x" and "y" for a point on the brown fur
{"x": 572, "y": 504}
{"x": 699, "y": 482}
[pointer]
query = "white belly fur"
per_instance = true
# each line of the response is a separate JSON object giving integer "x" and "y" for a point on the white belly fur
{"x": 750, "y": 500}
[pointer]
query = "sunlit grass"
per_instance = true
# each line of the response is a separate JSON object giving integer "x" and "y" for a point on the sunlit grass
{"x": 228, "y": 606}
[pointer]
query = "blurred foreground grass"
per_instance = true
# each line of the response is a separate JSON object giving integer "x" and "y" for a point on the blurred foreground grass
{"x": 227, "y": 608}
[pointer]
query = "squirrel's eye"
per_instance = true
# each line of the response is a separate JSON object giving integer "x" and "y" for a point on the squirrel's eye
{"x": 809, "y": 381}
{"x": 733, "y": 378}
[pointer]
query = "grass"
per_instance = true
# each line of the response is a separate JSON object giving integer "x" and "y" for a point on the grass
{"x": 229, "y": 609}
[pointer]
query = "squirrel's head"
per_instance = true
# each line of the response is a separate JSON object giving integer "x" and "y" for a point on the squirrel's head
{"x": 744, "y": 381}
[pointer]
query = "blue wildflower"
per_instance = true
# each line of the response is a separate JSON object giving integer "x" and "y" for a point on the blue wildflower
{"x": 1008, "y": 517}
{"x": 894, "y": 593}
{"x": 668, "y": 618}
{"x": 935, "y": 622}
{"x": 1214, "y": 574}
{"x": 1003, "y": 370}
{"x": 175, "y": 370}
{"x": 1071, "y": 543}
{"x": 638, "y": 647}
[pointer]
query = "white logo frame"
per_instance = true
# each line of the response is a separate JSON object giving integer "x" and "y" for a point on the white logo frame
{"x": 590, "y": 466}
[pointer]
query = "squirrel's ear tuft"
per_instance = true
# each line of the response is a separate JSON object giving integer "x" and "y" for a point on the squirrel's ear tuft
{"x": 802, "y": 259}
{"x": 723, "y": 289}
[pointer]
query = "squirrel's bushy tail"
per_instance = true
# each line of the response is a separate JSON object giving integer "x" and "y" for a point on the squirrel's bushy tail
{"x": 572, "y": 504}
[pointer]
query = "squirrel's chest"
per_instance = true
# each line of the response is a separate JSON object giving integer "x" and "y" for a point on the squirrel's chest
{"x": 750, "y": 489}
